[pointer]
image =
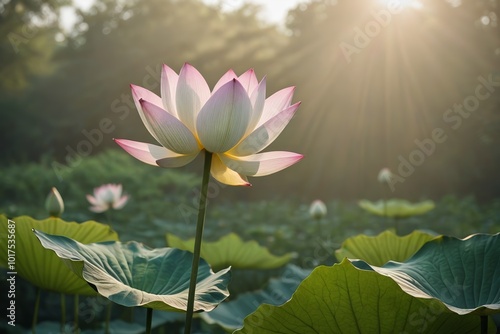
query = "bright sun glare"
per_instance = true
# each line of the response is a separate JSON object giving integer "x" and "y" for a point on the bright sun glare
{"x": 404, "y": 3}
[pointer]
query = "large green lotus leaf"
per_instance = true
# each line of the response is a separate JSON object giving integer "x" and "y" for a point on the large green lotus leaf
{"x": 396, "y": 208}
{"x": 345, "y": 299}
{"x": 230, "y": 250}
{"x": 41, "y": 267}
{"x": 382, "y": 248}
{"x": 230, "y": 315}
{"x": 464, "y": 274}
{"x": 131, "y": 274}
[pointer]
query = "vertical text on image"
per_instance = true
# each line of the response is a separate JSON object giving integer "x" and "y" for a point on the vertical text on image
{"x": 11, "y": 274}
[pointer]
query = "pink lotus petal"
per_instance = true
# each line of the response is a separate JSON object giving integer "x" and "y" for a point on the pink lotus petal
{"x": 147, "y": 153}
{"x": 116, "y": 190}
{"x": 120, "y": 203}
{"x": 192, "y": 93}
{"x": 248, "y": 80}
{"x": 177, "y": 161}
{"x": 92, "y": 200}
{"x": 265, "y": 134}
{"x": 261, "y": 164}
{"x": 228, "y": 76}
{"x": 276, "y": 103}
{"x": 221, "y": 173}
{"x": 224, "y": 119}
{"x": 99, "y": 208}
{"x": 139, "y": 93}
{"x": 168, "y": 89}
{"x": 171, "y": 132}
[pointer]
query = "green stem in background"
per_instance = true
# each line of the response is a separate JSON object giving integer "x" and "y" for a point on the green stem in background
{"x": 396, "y": 224}
{"x": 108, "y": 317}
{"x": 197, "y": 243}
{"x": 149, "y": 319}
{"x": 108, "y": 216}
{"x": 131, "y": 314}
{"x": 35, "y": 312}
{"x": 385, "y": 210}
{"x": 484, "y": 324}
{"x": 63, "y": 313}
{"x": 76, "y": 310}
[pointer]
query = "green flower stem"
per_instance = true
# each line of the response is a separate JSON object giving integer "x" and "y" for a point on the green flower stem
{"x": 76, "y": 310}
{"x": 63, "y": 313}
{"x": 197, "y": 243}
{"x": 108, "y": 317}
{"x": 108, "y": 215}
{"x": 149, "y": 319}
{"x": 35, "y": 312}
{"x": 131, "y": 314}
{"x": 396, "y": 225}
{"x": 484, "y": 324}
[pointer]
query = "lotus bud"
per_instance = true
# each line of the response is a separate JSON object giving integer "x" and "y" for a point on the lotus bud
{"x": 54, "y": 203}
{"x": 317, "y": 210}
{"x": 385, "y": 175}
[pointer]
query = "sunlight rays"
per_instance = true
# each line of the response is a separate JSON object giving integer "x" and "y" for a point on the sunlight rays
{"x": 393, "y": 90}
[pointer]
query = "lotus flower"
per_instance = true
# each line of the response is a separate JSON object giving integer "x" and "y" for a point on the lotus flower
{"x": 106, "y": 197}
{"x": 234, "y": 121}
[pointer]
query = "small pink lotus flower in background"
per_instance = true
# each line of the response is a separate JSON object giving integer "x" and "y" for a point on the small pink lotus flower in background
{"x": 106, "y": 197}
{"x": 234, "y": 121}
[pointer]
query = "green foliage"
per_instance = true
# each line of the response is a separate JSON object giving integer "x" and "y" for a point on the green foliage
{"x": 461, "y": 273}
{"x": 231, "y": 250}
{"x": 39, "y": 266}
{"x": 131, "y": 274}
{"x": 155, "y": 192}
{"x": 344, "y": 299}
{"x": 386, "y": 246}
{"x": 164, "y": 201}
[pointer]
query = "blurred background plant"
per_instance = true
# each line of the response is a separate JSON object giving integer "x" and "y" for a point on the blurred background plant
{"x": 160, "y": 204}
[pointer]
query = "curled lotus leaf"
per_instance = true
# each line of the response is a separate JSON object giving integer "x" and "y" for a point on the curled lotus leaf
{"x": 131, "y": 274}
{"x": 464, "y": 274}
